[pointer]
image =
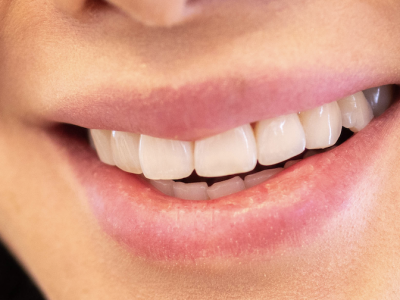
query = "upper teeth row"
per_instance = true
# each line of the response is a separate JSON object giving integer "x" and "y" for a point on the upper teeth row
{"x": 235, "y": 151}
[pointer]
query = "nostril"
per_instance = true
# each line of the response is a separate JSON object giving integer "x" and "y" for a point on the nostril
{"x": 75, "y": 7}
{"x": 156, "y": 13}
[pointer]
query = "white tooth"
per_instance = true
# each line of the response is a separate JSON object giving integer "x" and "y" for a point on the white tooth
{"x": 125, "y": 150}
{"x": 257, "y": 178}
{"x": 165, "y": 159}
{"x": 231, "y": 152}
{"x": 225, "y": 188}
{"x": 279, "y": 139}
{"x": 322, "y": 125}
{"x": 102, "y": 142}
{"x": 356, "y": 111}
{"x": 290, "y": 163}
{"x": 164, "y": 186}
{"x": 379, "y": 98}
{"x": 191, "y": 191}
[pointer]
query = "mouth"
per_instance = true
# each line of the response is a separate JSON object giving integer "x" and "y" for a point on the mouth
{"x": 242, "y": 157}
{"x": 245, "y": 192}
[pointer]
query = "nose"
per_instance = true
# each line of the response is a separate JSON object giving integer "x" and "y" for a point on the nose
{"x": 156, "y": 12}
{"x": 149, "y": 12}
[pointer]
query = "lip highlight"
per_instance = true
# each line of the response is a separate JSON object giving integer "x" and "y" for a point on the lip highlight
{"x": 285, "y": 211}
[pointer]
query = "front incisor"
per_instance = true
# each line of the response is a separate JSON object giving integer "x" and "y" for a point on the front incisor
{"x": 165, "y": 159}
{"x": 231, "y": 152}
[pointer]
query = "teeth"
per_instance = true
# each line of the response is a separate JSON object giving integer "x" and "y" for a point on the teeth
{"x": 191, "y": 191}
{"x": 225, "y": 188}
{"x": 164, "y": 186}
{"x": 379, "y": 98}
{"x": 322, "y": 125}
{"x": 125, "y": 151}
{"x": 165, "y": 159}
{"x": 257, "y": 178}
{"x": 279, "y": 139}
{"x": 236, "y": 151}
{"x": 231, "y": 152}
{"x": 102, "y": 142}
{"x": 356, "y": 111}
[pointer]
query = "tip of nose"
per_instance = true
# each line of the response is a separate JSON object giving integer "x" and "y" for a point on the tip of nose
{"x": 164, "y": 13}
{"x": 154, "y": 13}
{"x": 71, "y": 7}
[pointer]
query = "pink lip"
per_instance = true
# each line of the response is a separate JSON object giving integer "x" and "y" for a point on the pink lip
{"x": 284, "y": 212}
{"x": 198, "y": 110}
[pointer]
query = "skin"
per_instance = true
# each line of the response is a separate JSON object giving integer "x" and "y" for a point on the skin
{"x": 44, "y": 215}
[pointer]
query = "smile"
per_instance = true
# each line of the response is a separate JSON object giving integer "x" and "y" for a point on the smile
{"x": 187, "y": 149}
{"x": 244, "y": 192}
{"x": 226, "y": 163}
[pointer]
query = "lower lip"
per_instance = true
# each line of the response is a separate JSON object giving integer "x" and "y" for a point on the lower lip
{"x": 286, "y": 211}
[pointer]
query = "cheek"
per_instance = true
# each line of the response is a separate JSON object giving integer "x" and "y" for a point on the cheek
{"x": 374, "y": 249}
{"x": 385, "y": 215}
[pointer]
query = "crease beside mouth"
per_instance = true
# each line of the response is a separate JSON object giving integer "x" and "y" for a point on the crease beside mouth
{"x": 242, "y": 157}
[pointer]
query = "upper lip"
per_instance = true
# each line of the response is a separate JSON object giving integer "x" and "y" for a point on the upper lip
{"x": 202, "y": 109}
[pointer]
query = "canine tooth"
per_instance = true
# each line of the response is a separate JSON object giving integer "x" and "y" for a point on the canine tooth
{"x": 191, "y": 191}
{"x": 356, "y": 111}
{"x": 125, "y": 151}
{"x": 379, "y": 98}
{"x": 102, "y": 142}
{"x": 290, "y": 163}
{"x": 164, "y": 186}
{"x": 165, "y": 159}
{"x": 225, "y": 188}
{"x": 231, "y": 152}
{"x": 322, "y": 125}
{"x": 259, "y": 177}
{"x": 279, "y": 139}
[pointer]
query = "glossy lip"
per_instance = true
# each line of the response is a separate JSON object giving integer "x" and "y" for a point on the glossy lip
{"x": 285, "y": 211}
{"x": 198, "y": 110}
